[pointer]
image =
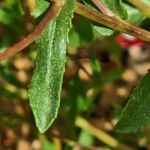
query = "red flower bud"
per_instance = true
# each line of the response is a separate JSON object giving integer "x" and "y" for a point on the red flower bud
{"x": 126, "y": 41}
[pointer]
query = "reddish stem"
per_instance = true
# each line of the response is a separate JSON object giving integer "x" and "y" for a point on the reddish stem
{"x": 17, "y": 47}
{"x": 103, "y": 8}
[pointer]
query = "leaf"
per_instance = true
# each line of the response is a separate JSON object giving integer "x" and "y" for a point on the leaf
{"x": 46, "y": 83}
{"x": 115, "y": 5}
{"x": 135, "y": 16}
{"x": 100, "y": 29}
{"x": 103, "y": 30}
{"x": 41, "y": 6}
{"x": 136, "y": 114}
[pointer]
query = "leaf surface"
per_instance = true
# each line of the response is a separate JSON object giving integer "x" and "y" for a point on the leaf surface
{"x": 46, "y": 83}
{"x": 115, "y": 5}
{"x": 41, "y": 6}
{"x": 136, "y": 114}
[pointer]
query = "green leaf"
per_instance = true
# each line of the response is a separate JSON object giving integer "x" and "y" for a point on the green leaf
{"x": 46, "y": 83}
{"x": 115, "y": 5}
{"x": 135, "y": 16}
{"x": 41, "y": 6}
{"x": 136, "y": 114}
{"x": 103, "y": 30}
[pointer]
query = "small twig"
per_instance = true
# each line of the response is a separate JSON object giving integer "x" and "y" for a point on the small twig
{"x": 85, "y": 11}
{"x": 141, "y": 5}
{"x": 103, "y": 8}
{"x": 101, "y": 135}
{"x": 17, "y": 47}
{"x": 112, "y": 22}
{"x": 68, "y": 142}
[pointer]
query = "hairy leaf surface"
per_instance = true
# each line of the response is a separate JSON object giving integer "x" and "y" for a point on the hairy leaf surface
{"x": 46, "y": 83}
{"x": 136, "y": 114}
{"x": 116, "y": 6}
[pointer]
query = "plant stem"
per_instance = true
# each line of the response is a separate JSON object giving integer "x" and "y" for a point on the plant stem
{"x": 103, "y": 8}
{"x": 101, "y": 135}
{"x": 102, "y": 18}
{"x": 56, "y": 6}
{"x": 141, "y": 5}
{"x": 112, "y": 22}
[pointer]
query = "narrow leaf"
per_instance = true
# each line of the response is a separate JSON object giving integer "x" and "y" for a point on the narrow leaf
{"x": 46, "y": 83}
{"x": 136, "y": 114}
{"x": 41, "y": 6}
{"x": 115, "y": 5}
{"x": 103, "y": 30}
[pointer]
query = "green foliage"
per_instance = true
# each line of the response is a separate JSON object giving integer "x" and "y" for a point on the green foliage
{"x": 40, "y": 7}
{"x": 135, "y": 16}
{"x": 45, "y": 87}
{"x": 117, "y": 7}
{"x": 136, "y": 114}
{"x": 46, "y": 83}
{"x": 82, "y": 92}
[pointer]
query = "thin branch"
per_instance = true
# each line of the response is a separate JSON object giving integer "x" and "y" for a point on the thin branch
{"x": 17, "y": 47}
{"x": 85, "y": 11}
{"x": 103, "y": 8}
{"x": 100, "y": 135}
{"x": 69, "y": 142}
{"x": 112, "y": 22}
{"x": 141, "y": 5}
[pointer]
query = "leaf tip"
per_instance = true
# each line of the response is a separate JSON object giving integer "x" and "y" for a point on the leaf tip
{"x": 43, "y": 124}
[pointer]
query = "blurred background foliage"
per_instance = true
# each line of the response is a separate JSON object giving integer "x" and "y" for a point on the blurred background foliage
{"x": 97, "y": 83}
